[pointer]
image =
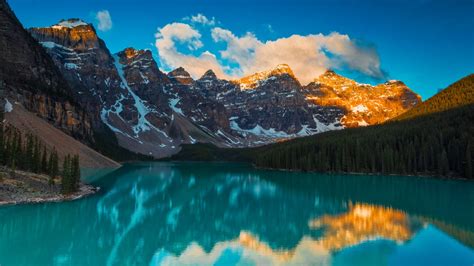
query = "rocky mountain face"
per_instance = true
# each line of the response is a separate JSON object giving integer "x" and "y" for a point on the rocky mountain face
{"x": 268, "y": 106}
{"x": 29, "y": 77}
{"x": 153, "y": 113}
{"x": 127, "y": 92}
{"x": 82, "y": 57}
{"x": 363, "y": 104}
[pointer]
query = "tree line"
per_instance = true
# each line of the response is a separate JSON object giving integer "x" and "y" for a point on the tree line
{"x": 439, "y": 144}
{"x": 458, "y": 94}
{"x": 26, "y": 152}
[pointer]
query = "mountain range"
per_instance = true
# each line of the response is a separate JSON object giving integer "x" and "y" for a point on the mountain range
{"x": 153, "y": 113}
{"x": 66, "y": 75}
{"x": 434, "y": 138}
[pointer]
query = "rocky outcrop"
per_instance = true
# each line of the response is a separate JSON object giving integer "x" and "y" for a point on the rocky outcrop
{"x": 109, "y": 86}
{"x": 180, "y": 76}
{"x": 82, "y": 57}
{"x": 273, "y": 101}
{"x": 126, "y": 91}
{"x": 29, "y": 76}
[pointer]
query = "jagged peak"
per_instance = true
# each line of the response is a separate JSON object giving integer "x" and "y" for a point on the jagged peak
{"x": 131, "y": 52}
{"x": 252, "y": 81}
{"x": 209, "y": 75}
{"x": 282, "y": 69}
{"x": 340, "y": 83}
{"x": 70, "y": 23}
{"x": 330, "y": 77}
{"x": 181, "y": 75}
{"x": 180, "y": 71}
{"x": 394, "y": 82}
{"x": 329, "y": 72}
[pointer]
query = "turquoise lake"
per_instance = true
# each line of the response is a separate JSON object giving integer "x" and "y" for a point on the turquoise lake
{"x": 232, "y": 214}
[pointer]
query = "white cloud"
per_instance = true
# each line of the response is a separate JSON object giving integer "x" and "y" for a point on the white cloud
{"x": 179, "y": 33}
{"x": 104, "y": 19}
{"x": 201, "y": 19}
{"x": 240, "y": 50}
{"x": 308, "y": 56}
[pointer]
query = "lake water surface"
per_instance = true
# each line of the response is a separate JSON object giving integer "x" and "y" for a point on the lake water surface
{"x": 232, "y": 214}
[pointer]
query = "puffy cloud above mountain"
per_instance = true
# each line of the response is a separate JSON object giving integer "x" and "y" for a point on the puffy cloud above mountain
{"x": 308, "y": 56}
{"x": 104, "y": 19}
{"x": 174, "y": 34}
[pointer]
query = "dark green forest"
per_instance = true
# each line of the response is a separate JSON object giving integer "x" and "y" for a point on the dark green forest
{"x": 434, "y": 138}
{"x": 26, "y": 152}
{"x": 458, "y": 94}
{"x": 439, "y": 144}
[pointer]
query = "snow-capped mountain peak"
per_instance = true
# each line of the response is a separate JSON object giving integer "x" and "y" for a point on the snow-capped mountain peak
{"x": 255, "y": 80}
{"x": 70, "y": 23}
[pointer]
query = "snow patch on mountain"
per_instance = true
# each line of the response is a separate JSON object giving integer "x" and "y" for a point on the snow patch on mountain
{"x": 360, "y": 108}
{"x": 173, "y": 102}
{"x": 51, "y": 45}
{"x": 72, "y": 23}
{"x": 259, "y": 131}
{"x": 70, "y": 66}
{"x": 144, "y": 78}
{"x": 327, "y": 127}
{"x": 143, "y": 124}
{"x": 8, "y": 106}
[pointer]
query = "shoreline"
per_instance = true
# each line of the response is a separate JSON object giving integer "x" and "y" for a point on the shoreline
{"x": 21, "y": 187}
{"x": 84, "y": 191}
{"x": 254, "y": 166}
{"x": 362, "y": 173}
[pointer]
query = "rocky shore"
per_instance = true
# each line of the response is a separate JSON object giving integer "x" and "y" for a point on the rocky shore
{"x": 19, "y": 187}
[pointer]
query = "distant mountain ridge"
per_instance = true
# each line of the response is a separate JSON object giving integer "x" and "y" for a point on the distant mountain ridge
{"x": 433, "y": 141}
{"x": 153, "y": 113}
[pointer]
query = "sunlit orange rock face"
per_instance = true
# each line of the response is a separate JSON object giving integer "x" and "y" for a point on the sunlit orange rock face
{"x": 364, "y": 104}
{"x": 255, "y": 80}
{"x": 72, "y": 33}
{"x": 363, "y": 222}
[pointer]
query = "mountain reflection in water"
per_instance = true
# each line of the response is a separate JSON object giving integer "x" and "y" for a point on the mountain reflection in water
{"x": 227, "y": 214}
{"x": 364, "y": 222}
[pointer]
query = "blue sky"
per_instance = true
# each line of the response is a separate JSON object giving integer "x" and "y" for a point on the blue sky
{"x": 427, "y": 44}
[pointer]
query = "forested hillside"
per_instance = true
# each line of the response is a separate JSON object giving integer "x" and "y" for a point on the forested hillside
{"x": 28, "y": 153}
{"x": 457, "y": 94}
{"x": 439, "y": 144}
